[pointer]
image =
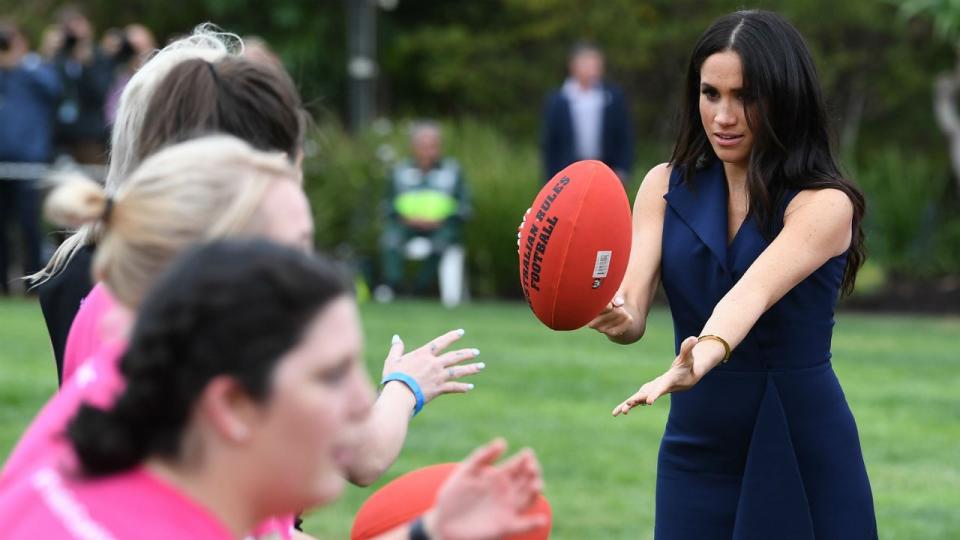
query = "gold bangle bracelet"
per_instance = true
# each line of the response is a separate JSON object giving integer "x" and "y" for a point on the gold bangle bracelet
{"x": 726, "y": 346}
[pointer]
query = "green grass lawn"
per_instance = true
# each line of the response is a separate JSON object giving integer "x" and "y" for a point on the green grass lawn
{"x": 554, "y": 392}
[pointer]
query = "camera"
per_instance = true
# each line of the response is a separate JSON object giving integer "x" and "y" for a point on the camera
{"x": 121, "y": 49}
{"x": 70, "y": 41}
{"x": 126, "y": 51}
{"x": 6, "y": 39}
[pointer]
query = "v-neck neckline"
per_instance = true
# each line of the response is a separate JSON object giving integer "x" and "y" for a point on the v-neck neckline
{"x": 736, "y": 235}
{"x": 702, "y": 206}
{"x": 726, "y": 213}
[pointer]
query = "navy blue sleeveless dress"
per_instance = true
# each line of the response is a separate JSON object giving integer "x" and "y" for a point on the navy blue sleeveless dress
{"x": 764, "y": 446}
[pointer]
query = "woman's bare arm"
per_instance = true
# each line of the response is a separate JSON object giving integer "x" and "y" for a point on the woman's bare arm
{"x": 624, "y": 320}
{"x": 817, "y": 227}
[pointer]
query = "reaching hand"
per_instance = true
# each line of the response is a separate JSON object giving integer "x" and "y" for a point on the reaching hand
{"x": 481, "y": 501}
{"x": 615, "y": 319}
{"x": 520, "y": 229}
{"x": 681, "y": 376}
{"x": 436, "y": 373}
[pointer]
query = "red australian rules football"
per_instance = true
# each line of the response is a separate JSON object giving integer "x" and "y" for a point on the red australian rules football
{"x": 411, "y": 495}
{"x": 574, "y": 245}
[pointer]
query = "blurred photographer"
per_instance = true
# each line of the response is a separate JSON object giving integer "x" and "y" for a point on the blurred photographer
{"x": 128, "y": 48}
{"x": 86, "y": 72}
{"x": 29, "y": 91}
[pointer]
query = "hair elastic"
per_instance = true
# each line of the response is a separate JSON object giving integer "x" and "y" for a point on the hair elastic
{"x": 107, "y": 210}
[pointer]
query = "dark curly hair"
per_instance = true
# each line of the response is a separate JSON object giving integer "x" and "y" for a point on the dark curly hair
{"x": 225, "y": 308}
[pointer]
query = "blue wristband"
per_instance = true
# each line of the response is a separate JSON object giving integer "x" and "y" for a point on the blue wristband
{"x": 411, "y": 384}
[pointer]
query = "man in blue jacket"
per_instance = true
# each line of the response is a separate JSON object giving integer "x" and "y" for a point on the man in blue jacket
{"x": 587, "y": 118}
{"x": 29, "y": 92}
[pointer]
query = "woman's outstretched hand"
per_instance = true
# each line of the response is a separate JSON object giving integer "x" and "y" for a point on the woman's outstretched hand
{"x": 436, "y": 372}
{"x": 483, "y": 500}
{"x": 681, "y": 376}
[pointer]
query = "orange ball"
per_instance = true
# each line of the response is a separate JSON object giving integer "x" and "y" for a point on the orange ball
{"x": 411, "y": 495}
{"x": 574, "y": 245}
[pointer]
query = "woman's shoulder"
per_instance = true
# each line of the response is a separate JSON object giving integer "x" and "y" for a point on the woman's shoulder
{"x": 824, "y": 203}
{"x": 823, "y": 217}
{"x": 657, "y": 181}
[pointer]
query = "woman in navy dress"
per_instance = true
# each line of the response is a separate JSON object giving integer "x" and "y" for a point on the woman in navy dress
{"x": 754, "y": 233}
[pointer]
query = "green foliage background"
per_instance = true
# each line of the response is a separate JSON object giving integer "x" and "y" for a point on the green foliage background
{"x": 485, "y": 66}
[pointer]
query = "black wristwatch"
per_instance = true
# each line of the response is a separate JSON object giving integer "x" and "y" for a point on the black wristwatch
{"x": 417, "y": 531}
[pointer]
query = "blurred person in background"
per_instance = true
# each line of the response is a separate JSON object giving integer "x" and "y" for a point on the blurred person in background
{"x": 86, "y": 72}
{"x": 29, "y": 90}
{"x": 129, "y": 48}
{"x": 427, "y": 197}
{"x": 587, "y": 118}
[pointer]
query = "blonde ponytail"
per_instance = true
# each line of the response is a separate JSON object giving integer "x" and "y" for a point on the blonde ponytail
{"x": 202, "y": 189}
{"x": 75, "y": 202}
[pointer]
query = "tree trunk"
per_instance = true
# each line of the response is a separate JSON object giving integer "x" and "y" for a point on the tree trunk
{"x": 945, "y": 108}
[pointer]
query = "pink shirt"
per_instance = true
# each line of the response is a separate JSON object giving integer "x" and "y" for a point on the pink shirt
{"x": 98, "y": 321}
{"x": 51, "y": 505}
{"x": 94, "y": 357}
{"x": 95, "y": 345}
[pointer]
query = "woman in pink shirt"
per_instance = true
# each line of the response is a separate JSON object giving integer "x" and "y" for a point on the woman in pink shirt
{"x": 244, "y": 396}
{"x": 209, "y": 187}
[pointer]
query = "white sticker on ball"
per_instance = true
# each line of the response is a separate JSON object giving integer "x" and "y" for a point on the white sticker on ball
{"x": 602, "y": 266}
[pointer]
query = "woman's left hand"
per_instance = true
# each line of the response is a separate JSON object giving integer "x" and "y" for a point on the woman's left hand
{"x": 436, "y": 372}
{"x": 681, "y": 376}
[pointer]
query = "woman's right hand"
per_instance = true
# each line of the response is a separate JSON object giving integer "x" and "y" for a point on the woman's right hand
{"x": 615, "y": 321}
{"x": 435, "y": 371}
{"x": 484, "y": 501}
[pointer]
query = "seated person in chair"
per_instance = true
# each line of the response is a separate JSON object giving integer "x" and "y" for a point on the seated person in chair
{"x": 427, "y": 204}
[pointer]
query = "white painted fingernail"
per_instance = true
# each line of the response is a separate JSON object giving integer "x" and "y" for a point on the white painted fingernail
{"x": 469, "y": 386}
{"x": 481, "y": 365}
{"x": 476, "y": 353}
{"x": 395, "y": 340}
{"x": 461, "y": 331}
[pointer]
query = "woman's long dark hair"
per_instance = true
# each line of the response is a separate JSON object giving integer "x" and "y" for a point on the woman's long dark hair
{"x": 785, "y": 110}
{"x": 227, "y": 308}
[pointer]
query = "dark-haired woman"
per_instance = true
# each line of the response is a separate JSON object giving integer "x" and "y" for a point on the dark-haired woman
{"x": 754, "y": 233}
{"x": 231, "y": 415}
